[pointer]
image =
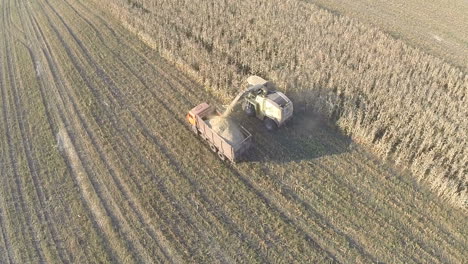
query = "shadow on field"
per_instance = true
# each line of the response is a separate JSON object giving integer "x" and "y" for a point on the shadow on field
{"x": 306, "y": 136}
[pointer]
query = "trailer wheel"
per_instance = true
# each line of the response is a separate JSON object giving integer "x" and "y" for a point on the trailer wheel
{"x": 195, "y": 130}
{"x": 270, "y": 124}
{"x": 213, "y": 147}
{"x": 221, "y": 156}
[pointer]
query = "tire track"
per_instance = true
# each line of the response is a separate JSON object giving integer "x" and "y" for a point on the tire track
{"x": 50, "y": 118}
{"x": 91, "y": 196}
{"x": 7, "y": 252}
{"x": 73, "y": 103}
{"x": 58, "y": 80}
{"x": 84, "y": 165}
{"x": 19, "y": 188}
{"x": 63, "y": 123}
{"x": 141, "y": 217}
{"x": 44, "y": 214}
{"x": 128, "y": 46}
{"x": 373, "y": 168}
{"x": 73, "y": 162}
{"x": 8, "y": 249}
{"x": 112, "y": 171}
{"x": 371, "y": 165}
{"x": 8, "y": 185}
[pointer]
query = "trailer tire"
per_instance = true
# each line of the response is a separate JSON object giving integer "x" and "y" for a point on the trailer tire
{"x": 213, "y": 147}
{"x": 270, "y": 124}
{"x": 221, "y": 156}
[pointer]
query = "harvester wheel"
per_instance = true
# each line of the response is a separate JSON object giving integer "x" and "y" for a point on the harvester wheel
{"x": 213, "y": 148}
{"x": 270, "y": 124}
{"x": 221, "y": 156}
{"x": 249, "y": 110}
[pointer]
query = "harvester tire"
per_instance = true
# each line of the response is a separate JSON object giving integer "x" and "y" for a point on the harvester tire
{"x": 249, "y": 110}
{"x": 270, "y": 124}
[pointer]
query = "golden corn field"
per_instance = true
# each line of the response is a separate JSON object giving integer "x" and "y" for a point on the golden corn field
{"x": 98, "y": 165}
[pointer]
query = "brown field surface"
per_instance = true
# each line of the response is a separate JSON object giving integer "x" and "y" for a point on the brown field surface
{"x": 438, "y": 26}
{"x": 97, "y": 165}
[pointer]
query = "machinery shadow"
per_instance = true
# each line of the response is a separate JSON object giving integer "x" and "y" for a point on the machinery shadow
{"x": 306, "y": 136}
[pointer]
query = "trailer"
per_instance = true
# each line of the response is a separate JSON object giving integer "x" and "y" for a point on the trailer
{"x": 197, "y": 118}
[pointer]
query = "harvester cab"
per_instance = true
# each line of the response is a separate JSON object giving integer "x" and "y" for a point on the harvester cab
{"x": 263, "y": 101}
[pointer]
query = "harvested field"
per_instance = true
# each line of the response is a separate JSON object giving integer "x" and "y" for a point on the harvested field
{"x": 99, "y": 166}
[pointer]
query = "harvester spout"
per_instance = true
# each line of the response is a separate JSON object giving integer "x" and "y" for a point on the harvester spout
{"x": 229, "y": 109}
{"x": 234, "y": 102}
